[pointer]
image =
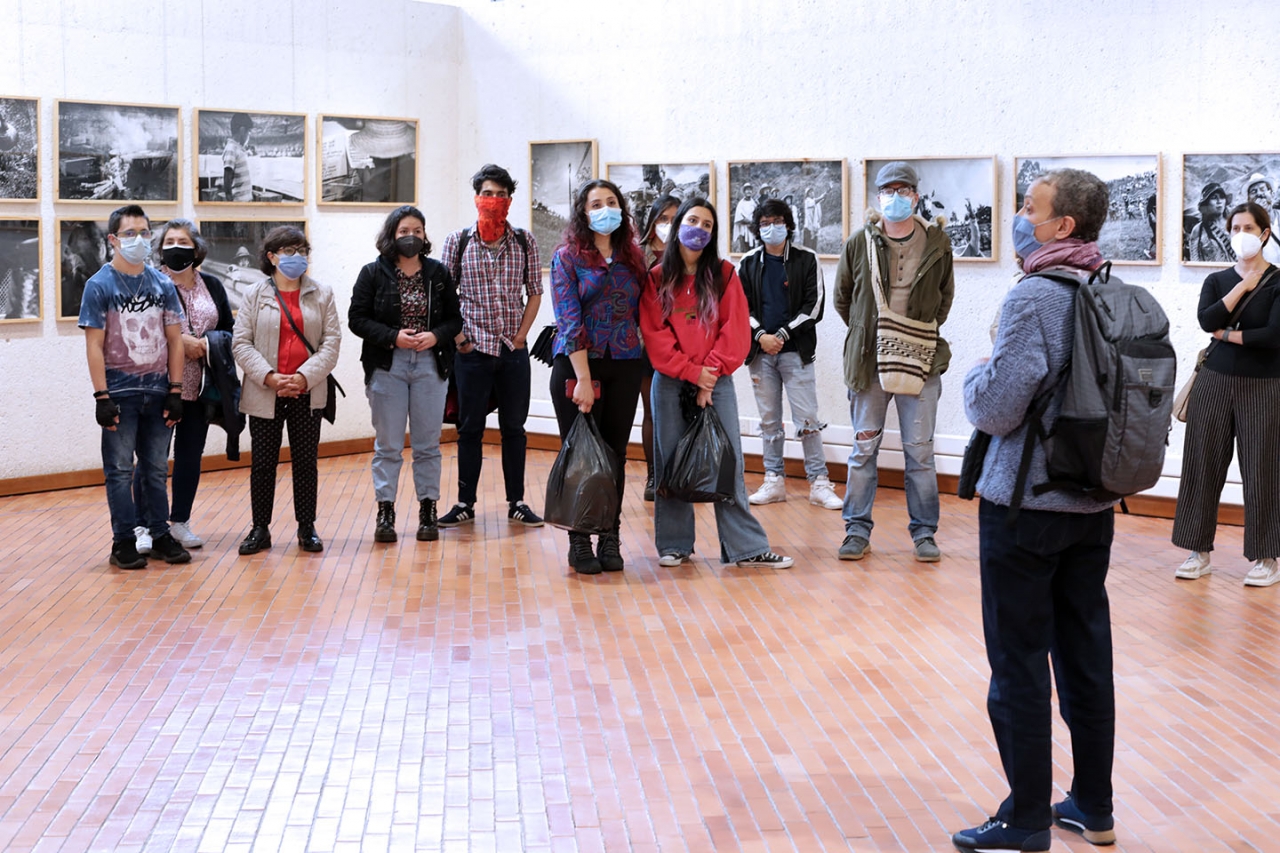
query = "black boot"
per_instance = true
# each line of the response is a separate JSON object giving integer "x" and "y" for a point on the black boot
{"x": 584, "y": 562}
{"x": 385, "y": 529}
{"x": 648, "y": 484}
{"x": 608, "y": 552}
{"x": 428, "y": 531}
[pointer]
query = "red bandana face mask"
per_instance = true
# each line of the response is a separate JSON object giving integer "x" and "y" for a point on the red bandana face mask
{"x": 493, "y": 216}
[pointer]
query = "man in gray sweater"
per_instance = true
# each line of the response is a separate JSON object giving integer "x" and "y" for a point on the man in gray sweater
{"x": 1044, "y": 572}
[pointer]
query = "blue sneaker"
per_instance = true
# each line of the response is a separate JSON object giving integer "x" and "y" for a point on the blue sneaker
{"x": 995, "y": 835}
{"x": 1096, "y": 829}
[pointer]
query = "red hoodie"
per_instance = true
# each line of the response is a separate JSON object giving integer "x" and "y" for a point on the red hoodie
{"x": 680, "y": 345}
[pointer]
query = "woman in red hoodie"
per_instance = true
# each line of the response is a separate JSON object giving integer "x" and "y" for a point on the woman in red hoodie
{"x": 696, "y": 327}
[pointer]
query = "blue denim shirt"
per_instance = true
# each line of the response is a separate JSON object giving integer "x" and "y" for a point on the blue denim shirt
{"x": 597, "y": 306}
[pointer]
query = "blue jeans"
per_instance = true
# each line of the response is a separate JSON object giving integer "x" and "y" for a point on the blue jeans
{"x": 770, "y": 374}
{"x": 141, "y": 434}
{"x": 189, "y": 436}
{"x": 741, "y": 536}
{"x": 507, "y": 377}
{"x": 1044, "y": 596}
{"x": 413, "y": 392}
{"x": 916, "y": 419}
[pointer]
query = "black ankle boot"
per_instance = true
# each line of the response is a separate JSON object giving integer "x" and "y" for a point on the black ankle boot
{"x": 649, "y": 484}
{"x": 584, "y": 562}
{"x": 428, "y": 531}
{"x": 607, "y": 551}
{"x": 385, "y": 529}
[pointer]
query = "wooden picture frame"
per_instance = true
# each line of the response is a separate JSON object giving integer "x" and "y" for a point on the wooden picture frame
{"x": 274, "y": 158}
{"x": 21, "y": 276}
{"x": 1134, "y": 231}
{"x": 366, "y": 161}
{"x": 809, "y": 182}
{"x": 964, "y": 191}
{"x": 19, "y": 149}
{"x": 109, "y": 153}
{"x": 234, "y": 246}
{"x": 557, "y": 168}
{"x": 644, "y": 183}
{"x": 1233, "y": 176}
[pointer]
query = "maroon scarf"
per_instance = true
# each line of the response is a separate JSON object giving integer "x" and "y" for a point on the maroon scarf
{"x": 1071, "y": 252}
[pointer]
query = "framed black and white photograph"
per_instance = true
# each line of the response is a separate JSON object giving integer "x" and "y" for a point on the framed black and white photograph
{"x": 556, "y": 170}
{"x": 1132, "y": 232}
{"x": 20, "y": 270}
{"x": 234, "y": 247}
{"x": 816, "y": 190}
{"x": 83, "y": 249}
{"x": 644, "y": 183}
{"x": 368, "y": 160}
{"x": 250, "y": 158}
{"x": 1212, "y": 184}
{"x": 19, "y": 149}
{"x": 959, "y": 192}
{"x": 117, "y": 152}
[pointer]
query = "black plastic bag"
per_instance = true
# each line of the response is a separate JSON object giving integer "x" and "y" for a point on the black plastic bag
{"x": 582, "y": 488}
{"x": 703, "y": 467}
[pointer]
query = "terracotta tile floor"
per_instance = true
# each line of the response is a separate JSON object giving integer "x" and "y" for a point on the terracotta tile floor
{"x": 472, "y": 694}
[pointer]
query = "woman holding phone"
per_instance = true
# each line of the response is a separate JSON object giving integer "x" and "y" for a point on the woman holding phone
{"x": 596, "y": 275}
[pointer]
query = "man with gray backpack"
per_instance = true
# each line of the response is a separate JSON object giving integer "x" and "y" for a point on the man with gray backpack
{"x": 1077, "y": 399}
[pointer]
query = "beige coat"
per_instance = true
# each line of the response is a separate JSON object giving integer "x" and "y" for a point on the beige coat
{"x": 256, "y": 343}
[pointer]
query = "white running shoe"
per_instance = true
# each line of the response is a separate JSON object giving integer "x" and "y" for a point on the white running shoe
{"x": 1195, "y": 566}
{"x": 143, "y": 535}
{"x": 1264, "y": 573}
{"x": 186, "y": 537}
{"x": 773, "y": 491}
{"x": 672, "y": 560}
{"x": 823, "y": 494}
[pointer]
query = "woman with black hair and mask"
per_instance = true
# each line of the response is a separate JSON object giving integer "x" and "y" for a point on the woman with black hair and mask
{"x": 697, "y": 333}
{"x": 597, "y": 273}
{"x": 405, "y": 307}
{"x": 653, "y": 243}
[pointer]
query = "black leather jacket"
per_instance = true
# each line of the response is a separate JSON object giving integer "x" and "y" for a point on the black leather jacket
{"x": 806, "y": 294}
{"x": 375, "y": 313}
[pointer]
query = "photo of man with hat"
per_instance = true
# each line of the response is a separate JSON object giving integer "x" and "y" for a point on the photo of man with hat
{"x": 1259, "y": 190}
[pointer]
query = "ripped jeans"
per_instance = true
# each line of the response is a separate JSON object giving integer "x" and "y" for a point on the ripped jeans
{"x": 917, "y": 417}
{"x": 770, "y": 374}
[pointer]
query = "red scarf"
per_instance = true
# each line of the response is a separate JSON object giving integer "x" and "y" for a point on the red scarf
{"x": 493, "y": 217}
{"x": 1071, "y": 252}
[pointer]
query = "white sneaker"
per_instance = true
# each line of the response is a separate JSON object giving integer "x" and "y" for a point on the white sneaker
{"x": 187, "y": 538}
{"x": 823, "y": 494}
{"x": 672, "y": 560}
{"x": 1264, "y": 573}
{"x": 1195, "y": 566}
{"x": 143, "y": 535}
{"x": 773, "y": 490}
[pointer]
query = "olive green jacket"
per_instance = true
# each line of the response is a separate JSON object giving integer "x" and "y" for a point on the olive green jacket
{"x": 930, "y": 297}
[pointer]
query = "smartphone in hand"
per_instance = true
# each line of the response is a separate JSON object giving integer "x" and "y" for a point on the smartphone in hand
{"x": 571, "y": 384}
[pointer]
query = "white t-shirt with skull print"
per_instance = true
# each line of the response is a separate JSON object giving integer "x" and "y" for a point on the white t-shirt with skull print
{"x": 133, "y": 311}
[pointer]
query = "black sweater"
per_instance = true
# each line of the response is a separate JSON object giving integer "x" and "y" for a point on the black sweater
{"x": 1258, "y": 356}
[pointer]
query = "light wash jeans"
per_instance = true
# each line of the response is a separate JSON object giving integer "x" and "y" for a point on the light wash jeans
{"x": 411, "y": 391}
{"x": 141, "y": 434}
{"x": 917, "y": 417}
{"x": 770, "y": 374}
{"x": 741, "y": 536}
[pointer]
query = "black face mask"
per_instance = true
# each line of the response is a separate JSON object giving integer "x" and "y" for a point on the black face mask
{"x": 410, "y": 245}
{"x": 178, "y": 258}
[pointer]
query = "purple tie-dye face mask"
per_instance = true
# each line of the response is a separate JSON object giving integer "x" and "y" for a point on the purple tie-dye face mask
{"x": 693, "y": 238}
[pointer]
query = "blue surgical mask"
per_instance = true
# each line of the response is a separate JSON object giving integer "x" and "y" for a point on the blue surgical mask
{"x": 135, "y": 249}
{"x": 605, "y": 220}
{"x": 897, "y": 208}
{"x": 693, "y": 238}
{"x": 773, "y": 235}
{"x": 292, "y": 266}
{"x": 1025, "y": 243}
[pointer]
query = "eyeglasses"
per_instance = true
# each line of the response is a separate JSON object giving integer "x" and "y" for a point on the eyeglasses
{"x": 772, "y": 220}
{"x": 905, "y": 192}
{"x": 294, "y": 250}
{"x": 145, "y": 234}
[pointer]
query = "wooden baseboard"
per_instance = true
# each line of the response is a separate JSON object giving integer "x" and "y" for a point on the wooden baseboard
{"x": 1145, "y": 505}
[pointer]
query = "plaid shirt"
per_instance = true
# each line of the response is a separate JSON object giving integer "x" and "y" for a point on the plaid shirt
{"x": 491, "y": 287}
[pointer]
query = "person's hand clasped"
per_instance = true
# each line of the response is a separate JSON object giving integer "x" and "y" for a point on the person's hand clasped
{"x": 771, "y": 344}
{"x": 416, "y": 341}
{"x": 193, "y": 348}
{"x": 292, "y": 385}
{"x": 708, "y": 378}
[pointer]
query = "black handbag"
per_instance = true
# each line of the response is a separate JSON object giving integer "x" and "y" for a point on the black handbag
{"x": 544, "y": 346}
{"x": 330, "y": 410}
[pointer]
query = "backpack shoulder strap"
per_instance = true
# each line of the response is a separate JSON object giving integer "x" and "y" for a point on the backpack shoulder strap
{"x": 523, "y": 239}
{"x": 463, "y": 240}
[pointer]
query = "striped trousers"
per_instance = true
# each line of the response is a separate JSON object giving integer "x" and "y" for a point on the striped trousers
{"x": 1224, "y": 411}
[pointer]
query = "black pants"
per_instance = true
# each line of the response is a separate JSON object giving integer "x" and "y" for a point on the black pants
{"x": 1044, "y": 595}
{"x": 505, "y": 377}
{"x": 614, "y": 412}
{"x": 304, "y": 442}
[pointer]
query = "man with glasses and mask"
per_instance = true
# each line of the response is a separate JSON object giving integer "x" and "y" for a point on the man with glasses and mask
{"x": 132, "y": 319}
{"x": 914, "y": 277}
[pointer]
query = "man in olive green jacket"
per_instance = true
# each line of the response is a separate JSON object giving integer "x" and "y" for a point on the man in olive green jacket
{"x": 916, "y": 280}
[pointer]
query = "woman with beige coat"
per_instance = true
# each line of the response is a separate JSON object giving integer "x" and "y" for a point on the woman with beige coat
{"x": 286, "y": 359}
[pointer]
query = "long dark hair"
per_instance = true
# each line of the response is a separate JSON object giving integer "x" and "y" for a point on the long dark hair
{"x": 660, "y": 204}
{"x": 386, "y": 241}
{"x": 581, "y": 240}
{"x": 708, "y": 278}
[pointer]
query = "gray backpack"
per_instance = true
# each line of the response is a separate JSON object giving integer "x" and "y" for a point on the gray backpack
{"x": 1109, "y": 438}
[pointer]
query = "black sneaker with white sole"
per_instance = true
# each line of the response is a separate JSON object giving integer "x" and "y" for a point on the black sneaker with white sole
{"x": 460, "y": 514}
{"x": 767, "y": 560}
{"x": 519, "y": 513}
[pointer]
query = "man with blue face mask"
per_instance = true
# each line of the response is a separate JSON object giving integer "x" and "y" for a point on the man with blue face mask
{"x": 903, "y": 263}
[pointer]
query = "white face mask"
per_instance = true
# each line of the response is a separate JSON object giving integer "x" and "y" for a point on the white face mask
{"x": 662, "y": 231}
{"x": 1245, "y": 245}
